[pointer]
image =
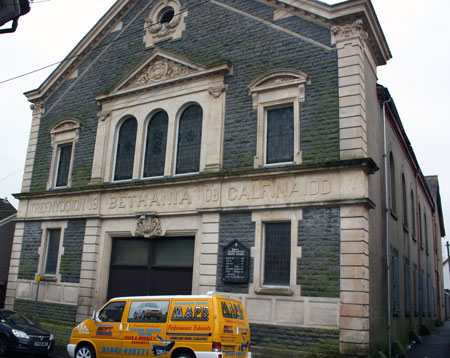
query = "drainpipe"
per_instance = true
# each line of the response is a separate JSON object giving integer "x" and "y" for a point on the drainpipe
{"x": 386, "y": 219}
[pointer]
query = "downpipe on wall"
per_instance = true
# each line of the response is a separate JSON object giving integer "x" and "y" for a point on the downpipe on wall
{"x": 386, "y": 219}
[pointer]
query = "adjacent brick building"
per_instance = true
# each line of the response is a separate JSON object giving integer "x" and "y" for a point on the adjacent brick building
{"x": 233, "y": 146}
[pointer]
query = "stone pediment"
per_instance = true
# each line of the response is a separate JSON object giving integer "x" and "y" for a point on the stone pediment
{"x": 159, "y": 68}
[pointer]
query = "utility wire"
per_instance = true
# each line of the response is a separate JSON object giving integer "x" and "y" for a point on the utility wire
{"x": 98, "y": 46}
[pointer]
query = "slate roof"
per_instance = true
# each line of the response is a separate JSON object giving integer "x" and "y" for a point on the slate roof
{"x": 6, "y": 209}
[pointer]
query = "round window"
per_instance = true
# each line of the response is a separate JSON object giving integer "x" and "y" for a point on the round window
{"x": 166, "y": 15}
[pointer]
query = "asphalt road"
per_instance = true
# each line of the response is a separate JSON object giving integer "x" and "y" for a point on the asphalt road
{"x": 436, "y": 345}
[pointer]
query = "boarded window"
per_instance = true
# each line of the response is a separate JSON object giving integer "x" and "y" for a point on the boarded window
{"x": 277, "y": 254}
{"x": 155, "y": 148}
{"x": 126, "y": 144}
{"x": 396, "y": 284}
{"x": 280, "y": 135}
{"x": 407, "y": 288}
{"x": 189, "y": 140}
{"x": 65, "y": 154}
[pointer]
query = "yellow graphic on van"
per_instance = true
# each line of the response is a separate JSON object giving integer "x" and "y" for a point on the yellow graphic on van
{"x": 190, "y": 313}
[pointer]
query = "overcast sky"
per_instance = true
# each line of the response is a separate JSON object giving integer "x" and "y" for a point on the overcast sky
{"x": 418, "y": 76}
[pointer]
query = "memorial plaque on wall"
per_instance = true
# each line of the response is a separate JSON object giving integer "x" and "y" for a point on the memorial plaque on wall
{"x": 236, "y": 259}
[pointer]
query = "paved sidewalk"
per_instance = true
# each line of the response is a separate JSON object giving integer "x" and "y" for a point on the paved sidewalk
{"x": 436, "y": 345}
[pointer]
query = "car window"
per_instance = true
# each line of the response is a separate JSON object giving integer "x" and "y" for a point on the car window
{"x": 12, "y": 317}
{"x": 148, "y": 311}
{"x": 112, "y": 312}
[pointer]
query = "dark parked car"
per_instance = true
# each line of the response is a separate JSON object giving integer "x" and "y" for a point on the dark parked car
{"x": 19, "y": 334}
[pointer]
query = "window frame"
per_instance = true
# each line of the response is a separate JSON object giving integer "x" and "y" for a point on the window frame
{"x": 47, "y": 228}
{"x": 150, "y": 117}
{"x": 278, "y": 89}
{"x": 63, "y": 133}
{"x": 122, "y": 121}
{"x": 260, "y": 218}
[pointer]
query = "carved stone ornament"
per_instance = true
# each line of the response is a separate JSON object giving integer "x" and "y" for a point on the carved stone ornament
{"x": 148, "y": 227}
{"x": 160, "y": 30}
{"x": 37, "y": 108}
{"x": 159, "y": 70}
{"x": 278, "y": 80}
{"x": 217, "y": 91}
{"x": 350, "y": 30}
{"x": 104, "y": 115}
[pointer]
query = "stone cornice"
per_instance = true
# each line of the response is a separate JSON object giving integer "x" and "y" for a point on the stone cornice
{"x": 368, "y": 165}
{"x": 341, "y": 14}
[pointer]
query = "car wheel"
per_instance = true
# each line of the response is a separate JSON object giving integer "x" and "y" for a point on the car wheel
{"x": 85, "y": 352}
{"x": 3, "y": 346}
{"x": 184, "y": 355}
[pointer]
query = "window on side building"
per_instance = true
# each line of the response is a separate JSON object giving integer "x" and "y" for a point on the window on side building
{"x": 156, "y": 143}
{"x": 405, "y": 203}
{"x": 189, "y": 140}
{"x": 277, "y": 254}
{"x": 407, "y": 288}
{"x": 126, "y": 143}
{"x": 392, "y": 183}
{"x": 396, "y": 284}
{"x": 416, "y": 291}
{"x": 280, "y": 135}
{"x": 413, "y": 216}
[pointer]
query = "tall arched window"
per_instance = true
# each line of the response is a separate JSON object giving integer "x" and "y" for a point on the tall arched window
{"x": 425, "y": 229}
{"x": 404, "y": 200}
{"x": 392, "y": 177}
{"x": 126, "y": 144}
{"x": 155, "y": 147}
{"x": 189, "y": 140}
{"x": 413, "y": 215}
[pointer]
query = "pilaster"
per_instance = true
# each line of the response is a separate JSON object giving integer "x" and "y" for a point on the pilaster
{"x": 38, "y": 111}
{"x": 88, "y": 272}
{"x": 354, "y": 305}
{"x": 350, "y": 43}
{"x": 209, "y": 248}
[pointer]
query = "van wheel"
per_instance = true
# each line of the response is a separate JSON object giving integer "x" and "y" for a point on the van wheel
{"x": 3, "y": 346}
{"x": 184, "y": 355}
{"x": 85, "y": 352}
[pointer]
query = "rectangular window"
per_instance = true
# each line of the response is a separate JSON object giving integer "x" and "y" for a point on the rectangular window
{"x": 277, "y": 254}
{"x": 51, "y": 257}
{"x": 65, "y": 154}
{"x": 396, "y": 284}
{"x": 424, "y": 294}
{"x": 280, "y": 135}
{"x": 407, "y": 289}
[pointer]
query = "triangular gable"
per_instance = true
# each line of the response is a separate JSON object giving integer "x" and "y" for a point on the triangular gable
{"x": 158, "y": 67}
{"x": 162, "y": 68}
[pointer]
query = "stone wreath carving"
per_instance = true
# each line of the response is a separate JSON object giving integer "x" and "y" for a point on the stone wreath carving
{"x": 148, "y": 227}
{"x": 160, "y": 70}
{"x": 163, "y": 29}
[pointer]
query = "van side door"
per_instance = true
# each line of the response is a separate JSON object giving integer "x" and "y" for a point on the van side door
{"x": 145, "y": 330}
{"x": 108, "y": 329}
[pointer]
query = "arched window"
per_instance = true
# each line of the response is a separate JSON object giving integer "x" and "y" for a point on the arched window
{"x": 189, "y": 140}
{"x": 126, "y": 144}
{"x": 425, "y": 229}
{"x": 405, "y": 204}
{"x": 392, "y": 176}
{"x": 155, "y": 147}
{"x": 413, "y": 215}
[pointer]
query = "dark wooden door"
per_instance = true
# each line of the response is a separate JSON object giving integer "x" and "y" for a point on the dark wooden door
{"x": 161, "y": 266}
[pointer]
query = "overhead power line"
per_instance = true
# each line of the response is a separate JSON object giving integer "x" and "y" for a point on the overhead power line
{"x": 98, "y": 46}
